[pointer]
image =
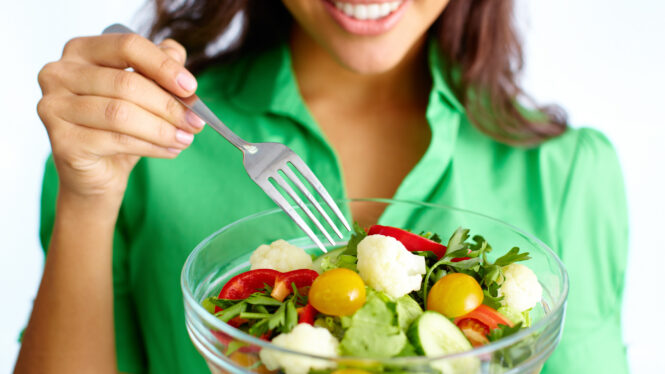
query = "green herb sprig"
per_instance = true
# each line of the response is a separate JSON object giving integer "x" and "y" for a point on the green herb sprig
{"x": 487, "y": 273}
{"x": 264, "y": 313}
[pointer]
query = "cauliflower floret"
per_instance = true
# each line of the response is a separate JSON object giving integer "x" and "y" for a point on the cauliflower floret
{"x": 386, "y": 265}
{"x": 280, "y": 255}
{"x": 303, "y": 338}
{"x": 520, "y": 288}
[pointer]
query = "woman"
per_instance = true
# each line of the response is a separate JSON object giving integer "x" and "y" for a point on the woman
{"x": 411, "y": 99}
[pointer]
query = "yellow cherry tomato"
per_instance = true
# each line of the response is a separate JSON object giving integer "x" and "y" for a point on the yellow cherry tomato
{"x": 454, "y": 295}
{"x": 337, "y": 292}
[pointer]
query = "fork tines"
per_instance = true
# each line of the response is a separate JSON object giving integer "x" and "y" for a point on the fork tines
{"x": 288, "y": 174}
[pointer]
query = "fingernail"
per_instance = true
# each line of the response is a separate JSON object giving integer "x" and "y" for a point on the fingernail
{"x": 174, "y": 150}
{"x": 187, "y": 81}
{"x": 194, "y": 120}
{"x": 184, "y": 137}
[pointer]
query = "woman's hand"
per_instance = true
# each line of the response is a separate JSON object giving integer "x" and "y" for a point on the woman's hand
{"x": 101, "y": 118}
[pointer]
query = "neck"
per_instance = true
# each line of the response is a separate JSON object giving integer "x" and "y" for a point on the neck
{"x": 320, "y": 76}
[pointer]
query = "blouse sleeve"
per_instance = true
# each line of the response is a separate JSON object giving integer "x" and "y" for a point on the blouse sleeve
{"x": 592, "y": 240}
{"x": 129, "y": 346}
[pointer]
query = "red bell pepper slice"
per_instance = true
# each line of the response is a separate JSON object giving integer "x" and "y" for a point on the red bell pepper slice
{"x": 300, "y": 277}
{"x": 307, "y": 314}
{"x": 411, "y": 241}
{"x": 244, "y": 284}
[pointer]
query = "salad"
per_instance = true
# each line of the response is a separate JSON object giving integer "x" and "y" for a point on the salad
{"x": 387, "y": 293}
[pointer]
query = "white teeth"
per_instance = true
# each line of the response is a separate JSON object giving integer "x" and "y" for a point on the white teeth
{"x": 385, "y": 8}
{"x": 348, "y": 9}
{"x": 373, "y": 11}
{"x": 361, "y": 12}
{"x": 368, "y": 11}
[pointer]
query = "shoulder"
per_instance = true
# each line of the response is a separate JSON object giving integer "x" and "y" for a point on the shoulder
{"x": 581, "y": 157}
{"x": 580, "y": 146}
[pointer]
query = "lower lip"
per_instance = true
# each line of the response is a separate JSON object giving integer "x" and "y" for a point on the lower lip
{"x": 368, "y": 26}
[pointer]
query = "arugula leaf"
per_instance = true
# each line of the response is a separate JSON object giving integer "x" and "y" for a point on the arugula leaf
{"x": 502, "y": 331}
{"x": 358, "y": 235}
{"x": 431, "y": 236}
{"x": 234, "y": 346}
{"x": 512, "y": 256}
{"x": 492, "y": 301}
{"x": 233, "y": 311}
{"x": 291, "y": 319}
{"x": 333, "y": 324}
{"x": 260, "y": 299}
{"x": 259, "y": 328}
{"x": 222, "y": 303}
{"x": 458, "y": 239}
{"x": 251, "y": 315}
{"x": 278, "y": 318}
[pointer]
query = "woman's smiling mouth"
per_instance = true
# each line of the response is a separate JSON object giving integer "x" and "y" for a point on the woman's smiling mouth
{"x": 366, "y": 18}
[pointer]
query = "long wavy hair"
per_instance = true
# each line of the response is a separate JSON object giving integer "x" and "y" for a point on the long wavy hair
{"x": 478, "y": 38}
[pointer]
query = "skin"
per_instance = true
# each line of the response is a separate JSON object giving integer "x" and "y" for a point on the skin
{"x": 373, "y": 88}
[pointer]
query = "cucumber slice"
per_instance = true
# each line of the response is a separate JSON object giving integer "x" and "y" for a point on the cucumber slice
{"x": 434, "y": 335}
{"x": 332, "y": 255}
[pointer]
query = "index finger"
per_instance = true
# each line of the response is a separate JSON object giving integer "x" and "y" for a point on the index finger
{"x": 123, "y": 51}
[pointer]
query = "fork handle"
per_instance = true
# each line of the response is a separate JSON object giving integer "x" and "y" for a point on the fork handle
{"x": 195, "y": 104}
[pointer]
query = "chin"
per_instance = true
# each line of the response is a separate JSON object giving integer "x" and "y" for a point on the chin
{"x": 370, "y": 57}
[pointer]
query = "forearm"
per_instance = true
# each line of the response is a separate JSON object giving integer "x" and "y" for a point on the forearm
{"x": 71, "y": 326}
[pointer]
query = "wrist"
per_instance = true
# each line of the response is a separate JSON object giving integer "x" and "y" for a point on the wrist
{"x": 92, "y": 209}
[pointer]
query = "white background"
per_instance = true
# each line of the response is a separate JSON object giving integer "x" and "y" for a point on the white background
{"x": 600, "y": 59}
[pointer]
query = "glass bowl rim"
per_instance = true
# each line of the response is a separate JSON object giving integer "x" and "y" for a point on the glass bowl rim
{"x": 477, "y": 351}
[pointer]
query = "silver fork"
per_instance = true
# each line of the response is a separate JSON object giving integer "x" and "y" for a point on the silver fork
{"x": 264, "y": 162}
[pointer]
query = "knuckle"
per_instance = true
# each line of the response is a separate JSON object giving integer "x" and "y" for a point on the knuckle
{"x": 177, "y": 46}
{"x": 45, "y": 108}
{"x": 121, "y": 139}
{"x": 128, "y": 43}
{"x": 116, "y": 112}
{"x": 47, "y": 73}
{"x": 125, "y": 82}
{"x": 173, "y": 108}
{"x": 165, "y": 133}
{"x": 168, "y": 65}
{"x": 72, "y": 46}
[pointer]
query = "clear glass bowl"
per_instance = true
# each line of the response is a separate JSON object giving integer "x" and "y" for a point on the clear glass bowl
{"x": 226, "y": 253}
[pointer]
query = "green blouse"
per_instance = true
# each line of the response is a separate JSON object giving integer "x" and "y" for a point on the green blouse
{"x": 568, "y": 192}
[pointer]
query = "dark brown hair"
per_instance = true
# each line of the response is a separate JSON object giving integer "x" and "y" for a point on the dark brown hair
{"x": 477, "y": 37}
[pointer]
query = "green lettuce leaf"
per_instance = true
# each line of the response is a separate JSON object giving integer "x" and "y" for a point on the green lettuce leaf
{"x": 374, "y": 330}
{"x": 407, "y": 310}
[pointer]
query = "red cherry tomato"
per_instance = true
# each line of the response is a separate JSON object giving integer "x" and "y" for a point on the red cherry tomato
{"x": 487, "y": 316}
{"x": 411, "y": 241}
{"x": 283, "y": 282}
{"x": 479, "y": 322}
{"x": 474, "y": 331}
